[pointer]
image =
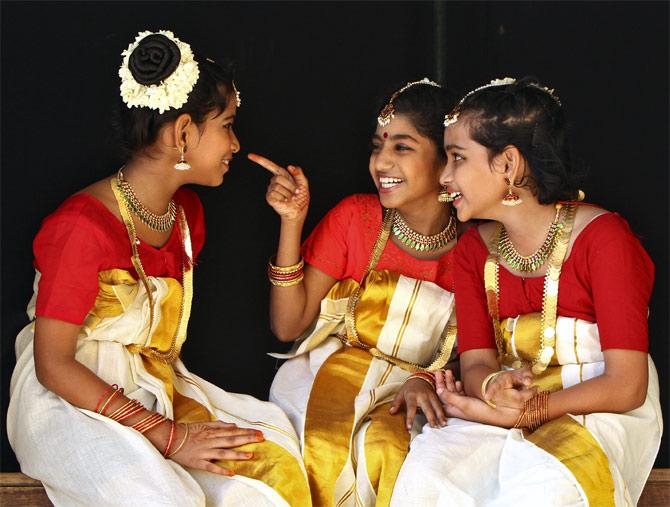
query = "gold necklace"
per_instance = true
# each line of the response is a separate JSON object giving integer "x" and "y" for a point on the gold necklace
{"x": 421, "y": 242}
{"x": 351, "y": 337}
{"x": 155, "y": 222}
{"x": 547, "y": 345}
{"x": 179, "y": 335}
{"x": 529, "y": 263}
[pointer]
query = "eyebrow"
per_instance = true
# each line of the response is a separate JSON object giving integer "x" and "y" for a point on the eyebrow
{"x": 452, "y": 146}
{"x": 230, "y": 117}
{"x": 397, "y": 137}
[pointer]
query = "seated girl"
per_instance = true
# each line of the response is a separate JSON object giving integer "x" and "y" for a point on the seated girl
{"x": 561, "y": 403}
{"x": 102, "y": 409}
{"x": 370, "y": 302}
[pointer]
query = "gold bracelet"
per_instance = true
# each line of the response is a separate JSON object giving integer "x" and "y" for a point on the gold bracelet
{"x": 485, "y": 383}
{"x": 285, "y": 270}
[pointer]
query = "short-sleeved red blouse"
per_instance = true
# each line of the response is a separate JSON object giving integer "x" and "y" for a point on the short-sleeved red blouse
{"x": 607, "y": 279}
{"x": 341, "y": 244}
{"x": 82, "y": 237}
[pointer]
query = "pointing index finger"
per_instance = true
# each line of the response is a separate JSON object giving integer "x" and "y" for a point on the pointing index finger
{"x": 268, "y": 164}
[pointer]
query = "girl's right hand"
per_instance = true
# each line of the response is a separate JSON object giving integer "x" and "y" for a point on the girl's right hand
{"x": 511, "y": 389}
{"x": 212, "y": 441}
{"x": 288, "y": 191}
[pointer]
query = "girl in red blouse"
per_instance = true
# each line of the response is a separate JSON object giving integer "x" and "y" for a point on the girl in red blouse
{"x": 561, "y": 397}
{"x": 102, "y": 409}
{"x": 369, "y": 298}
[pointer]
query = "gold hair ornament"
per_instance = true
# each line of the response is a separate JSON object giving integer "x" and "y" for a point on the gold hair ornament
{"x": 388, "y": 111}
{"x": 238, "y": 97}
{"x": 452, "y": 117}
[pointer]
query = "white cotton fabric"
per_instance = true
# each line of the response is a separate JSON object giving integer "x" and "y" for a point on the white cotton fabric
{"x": 85, "y": 459}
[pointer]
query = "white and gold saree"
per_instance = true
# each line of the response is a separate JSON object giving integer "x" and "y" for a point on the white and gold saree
{"x": 344, "y": 371}
{"x": 132, "y": 337}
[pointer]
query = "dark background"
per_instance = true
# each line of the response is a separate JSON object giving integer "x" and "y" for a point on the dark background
{"x": 310, "y": 74}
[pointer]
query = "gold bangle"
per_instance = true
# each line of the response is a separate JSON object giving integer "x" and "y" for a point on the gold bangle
{"x": 485, "y": 383}
{"x": 285, "y": 270}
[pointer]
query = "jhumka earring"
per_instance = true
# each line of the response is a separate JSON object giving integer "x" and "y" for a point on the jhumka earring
{"x": 182, "y": 165}
{"x": 511, "y": 199}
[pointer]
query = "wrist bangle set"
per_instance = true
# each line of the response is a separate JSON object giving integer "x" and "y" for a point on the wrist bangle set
{"x": 285, "y": 276}
{"x": 134, "y": 407}
{"x": 535, "y": 412}
{"x": 427, "y": 377}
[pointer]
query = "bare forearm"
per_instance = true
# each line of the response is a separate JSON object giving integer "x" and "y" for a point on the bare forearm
{"x": 287, "y": 304}
{"x": 604, "y": 393}
{"x": 79, "y": 386}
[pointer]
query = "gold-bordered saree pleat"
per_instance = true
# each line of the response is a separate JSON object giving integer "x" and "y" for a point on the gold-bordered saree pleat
{"x": 343, "y": 399}
{"x": 574, "y": 446}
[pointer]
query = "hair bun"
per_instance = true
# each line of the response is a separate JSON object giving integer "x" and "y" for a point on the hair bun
{"x": 154, "y": 59}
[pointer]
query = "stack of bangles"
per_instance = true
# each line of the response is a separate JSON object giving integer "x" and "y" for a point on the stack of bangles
{"x": 426, "y": 376}
{"x": 285, "y": 276}
{"x": 535, "y": 412}
{"x": 134, "y": 407}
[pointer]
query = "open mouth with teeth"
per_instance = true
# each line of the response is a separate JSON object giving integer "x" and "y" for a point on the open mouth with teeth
{"x": 386, "y": 182}
{"x": 449, "y": 196}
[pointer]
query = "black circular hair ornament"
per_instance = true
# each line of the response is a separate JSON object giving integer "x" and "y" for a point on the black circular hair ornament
{"x": 154, "y": 59}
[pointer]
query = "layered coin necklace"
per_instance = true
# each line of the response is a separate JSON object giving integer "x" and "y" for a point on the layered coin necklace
{"x": 420, "y": 242}
{"x": 155, "y": 222}
{"x": 532, "y": 262}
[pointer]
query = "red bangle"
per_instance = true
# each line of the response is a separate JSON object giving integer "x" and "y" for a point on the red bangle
{"x": 170, "y": 440}
{"x": 112, "y": 387}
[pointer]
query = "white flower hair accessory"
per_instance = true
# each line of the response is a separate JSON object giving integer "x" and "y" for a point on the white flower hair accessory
{"x": 158, "y": 71}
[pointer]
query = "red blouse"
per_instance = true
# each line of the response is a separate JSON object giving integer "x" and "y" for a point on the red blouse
{"x": 82, "y": 237}
{"x": 607, "y": 279}
{"x": 341, "y": 245}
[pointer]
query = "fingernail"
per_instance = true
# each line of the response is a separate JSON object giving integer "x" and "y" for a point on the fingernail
{"x": 230, "y": 473}
{"x": 250, "y": 455}
{"x": 440, "y": 391}
{"x": 259, "y": 433}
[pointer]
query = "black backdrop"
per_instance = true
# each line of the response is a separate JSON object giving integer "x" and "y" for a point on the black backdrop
{"x": 310, "y": 74}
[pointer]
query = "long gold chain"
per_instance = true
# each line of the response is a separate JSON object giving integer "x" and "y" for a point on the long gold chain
{"x": 352, "y": 339}
{"x": 421, "y": 242}
{"x": 549, "y": 297}
{"x": 155, "y": 222}
{"x": 532, "y": 262}
{"x": 170, "y": 355}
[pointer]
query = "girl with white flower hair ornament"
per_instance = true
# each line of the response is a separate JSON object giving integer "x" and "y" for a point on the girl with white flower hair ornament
{"x": 561, "y": 402}
{"x": 102, "y": 409}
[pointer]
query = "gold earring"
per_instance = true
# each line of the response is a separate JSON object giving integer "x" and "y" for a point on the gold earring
{"x": 511, "y": 199}
{"x": 182, "y": 165}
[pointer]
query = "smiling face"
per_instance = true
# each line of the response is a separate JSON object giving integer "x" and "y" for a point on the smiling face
{"x": 213, "y": 146}
{"x": 404, "y": 165}
{"x": 477, "y": 182}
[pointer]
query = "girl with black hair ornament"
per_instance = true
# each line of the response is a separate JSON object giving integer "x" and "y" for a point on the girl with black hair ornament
{"x": 561, "y": 403}
{"x": 368, "y": 299}
{"x": 102, "y": 409}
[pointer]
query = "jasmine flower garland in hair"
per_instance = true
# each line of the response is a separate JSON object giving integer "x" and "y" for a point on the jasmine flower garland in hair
{"x": 158, "y": 71}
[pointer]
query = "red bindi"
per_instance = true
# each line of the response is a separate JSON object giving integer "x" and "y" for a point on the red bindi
{"x": 386, "y": 134}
